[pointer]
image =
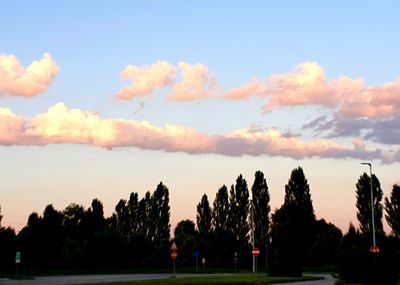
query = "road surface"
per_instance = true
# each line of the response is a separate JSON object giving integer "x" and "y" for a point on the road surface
{"x": 87, "y": 279}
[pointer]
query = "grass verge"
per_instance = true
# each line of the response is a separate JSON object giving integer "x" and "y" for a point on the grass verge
{"x": 234, "y": 279}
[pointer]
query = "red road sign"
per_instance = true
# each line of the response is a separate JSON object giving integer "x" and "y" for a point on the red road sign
{"x": 174, "y": 255}
{"x": 174, "y": 247}
{"x": 255, "y": 252}
{"x": 374, "y": 249}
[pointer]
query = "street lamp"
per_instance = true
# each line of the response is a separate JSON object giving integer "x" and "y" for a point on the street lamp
{"x": 374, "y": 248}
{"x": 252, "y": 231}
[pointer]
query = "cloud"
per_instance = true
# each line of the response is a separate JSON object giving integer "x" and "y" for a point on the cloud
{"x": 197, "y": 83}
{"x": 308, "y": 86}
{"x": 61, "y": 124}
{"x": 11, "y": 127}
{"x": 15, "y": 80}
{"x": 254, "y": 88}
{"x": 146, "y": 80}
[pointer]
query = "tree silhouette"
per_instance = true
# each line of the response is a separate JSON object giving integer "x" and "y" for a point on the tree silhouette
{"x": 187, "y": 241}
{"x": 293, "y": 226}
{"x": 160, "y": 213}
{"x": 392, "y": 207}
{"x": 363, "y": 204}
{"x": 203, "y": 217}
{"x": 7, "y": 247}
{"x": 221, "y": 210}
{"x": 261, "y": 209}
{"x": 239, "y": 210}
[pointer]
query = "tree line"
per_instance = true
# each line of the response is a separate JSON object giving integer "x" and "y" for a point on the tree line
{"x": 137, "y": 235}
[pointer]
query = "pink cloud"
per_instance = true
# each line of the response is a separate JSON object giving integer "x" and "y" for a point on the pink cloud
{"x": 15, "y": 80}
{"x": 197, "y": 83}
{"x": 146, "y": 80}
{"x": 307, "y": 85}
{"x": 61, "y": 124}
{"x": 11, "y": 127}
{"x": 254, "y": 88}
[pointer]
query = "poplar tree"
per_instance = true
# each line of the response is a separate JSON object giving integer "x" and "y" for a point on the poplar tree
{"x": 293, "y": 226}
{"x": 203, "y": 217}
{"x": 363, "y": 204}
{"x": 220, "y": 210}
{"x": 238, "y": 211}
{"x": 392, "y": 208}
{"x": 261, "y": 209}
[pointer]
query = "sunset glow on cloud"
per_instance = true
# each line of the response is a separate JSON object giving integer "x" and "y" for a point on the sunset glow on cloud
{"x": 308, "y": 86}
{"x": 197, "y": 83}
{"x": 61, "y": 124}
{"x": 16, "y": 80}
{"x": 146, "y": 80}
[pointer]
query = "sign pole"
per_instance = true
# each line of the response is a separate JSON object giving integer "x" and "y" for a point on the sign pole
{"x": 17, "y": 261}
{"x": 174, "y": 254}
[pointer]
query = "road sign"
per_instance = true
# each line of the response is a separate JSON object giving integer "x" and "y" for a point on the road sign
{"x": 174, "y": 255}
{"x": 374, "y": 249}
{"x": 18, "y": 257}
{"x": 174, "y": 247}
{"x": 255, "y": 252}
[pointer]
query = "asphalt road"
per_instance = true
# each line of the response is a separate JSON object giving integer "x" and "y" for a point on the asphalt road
{"x": 79, "y": 279}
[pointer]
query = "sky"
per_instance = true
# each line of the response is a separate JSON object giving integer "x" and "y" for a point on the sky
{"x": 99, "y": 99}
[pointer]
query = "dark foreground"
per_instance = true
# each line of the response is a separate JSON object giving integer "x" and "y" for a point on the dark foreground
{"x": 96, "y": 279}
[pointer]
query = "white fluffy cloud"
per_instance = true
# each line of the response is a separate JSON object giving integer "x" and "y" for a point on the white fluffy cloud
{"x": 16, "y": 80}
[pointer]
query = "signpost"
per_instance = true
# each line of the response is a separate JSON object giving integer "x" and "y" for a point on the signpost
{"x": 17, "y": 261}
{"x": 174, "y": 254}
{"x": 197, "y": 254}
{"x": 255, "y": 252}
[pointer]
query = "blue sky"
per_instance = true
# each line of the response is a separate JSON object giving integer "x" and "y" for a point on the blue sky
{"x": 212, "y": 140}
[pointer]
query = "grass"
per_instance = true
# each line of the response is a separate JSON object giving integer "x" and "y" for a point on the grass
{"x": 234, "y": 279}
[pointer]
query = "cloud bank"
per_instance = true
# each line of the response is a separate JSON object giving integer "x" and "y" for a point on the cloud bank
{"x": 16, "y": 80}
{"x": 61, "y": 124}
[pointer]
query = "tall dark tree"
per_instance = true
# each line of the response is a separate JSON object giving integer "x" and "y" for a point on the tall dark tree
{"x": 95, "y": 217}
{"x": 221, "y": 210}
{"x": 261, "y": 209}
{"x": 203, "y": 217}
{"x": 133, "y": 209}
{"x": 121, "y": 217}
{"x": 160, "y": 214}
{"x": 392, "y": 208}
{"x": 239, "y": 210}
{"x": 74, "y": 216}
{"x": 363, "y": 204}
{"x": 222, "y": 242}
{"x": 143, "y": 215}
{"x": 293, "y": 226}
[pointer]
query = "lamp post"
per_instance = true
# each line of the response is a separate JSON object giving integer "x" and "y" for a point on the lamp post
{"x": 374, "y": 247}
{"x": 252, "y": 231}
